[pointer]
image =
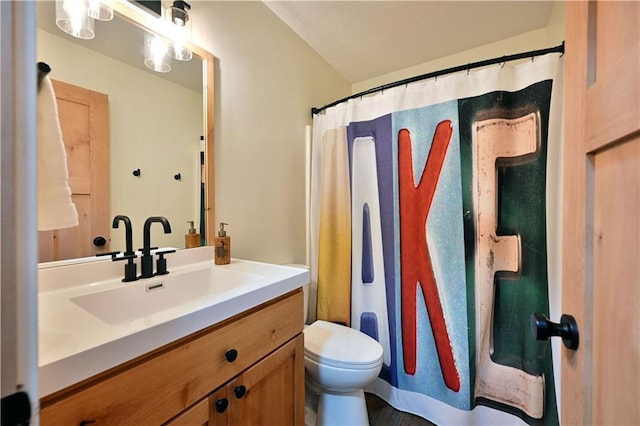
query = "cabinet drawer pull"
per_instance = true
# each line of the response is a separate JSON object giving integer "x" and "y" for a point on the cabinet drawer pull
{"x": 240, "y": 391}
{"x": 231, "y": 355}
{"x": 221, "y": 405}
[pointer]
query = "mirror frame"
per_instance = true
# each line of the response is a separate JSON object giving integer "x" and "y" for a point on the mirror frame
{"x": 141, "y": 18}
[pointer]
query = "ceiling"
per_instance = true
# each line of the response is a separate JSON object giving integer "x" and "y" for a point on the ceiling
{"x": 367, "y": 39}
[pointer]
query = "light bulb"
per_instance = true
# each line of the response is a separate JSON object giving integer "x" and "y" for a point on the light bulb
{"x": 72, "y": 18}
{"x": 156, "y": 53}
{"x": 100, "y": 9}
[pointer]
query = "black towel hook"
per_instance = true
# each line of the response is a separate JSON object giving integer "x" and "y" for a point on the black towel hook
{"x": 43, "y": 70}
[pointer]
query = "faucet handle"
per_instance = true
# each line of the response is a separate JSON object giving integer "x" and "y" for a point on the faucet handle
{"x": 113, "y": 254}
{"x": 130, "y": 269}
{"x": 159, "y": 252}
{"x": 141, "y": 250}
{"x": 161, "y": 263}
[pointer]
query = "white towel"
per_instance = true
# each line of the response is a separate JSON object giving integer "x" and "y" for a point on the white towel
{"x": 55, "y": 207}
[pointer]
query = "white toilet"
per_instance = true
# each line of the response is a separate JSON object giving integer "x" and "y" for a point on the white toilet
{"x": 339, "y": 362}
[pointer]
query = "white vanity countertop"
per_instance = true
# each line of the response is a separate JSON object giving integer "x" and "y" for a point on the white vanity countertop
{"x": 75, "y": 344}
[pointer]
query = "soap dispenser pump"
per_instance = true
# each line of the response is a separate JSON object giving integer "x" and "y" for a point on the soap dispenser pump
{"x": 192, "y": 238}
{"x": 222, "y": 246}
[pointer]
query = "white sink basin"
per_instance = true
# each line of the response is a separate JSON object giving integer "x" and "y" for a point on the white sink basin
{"x": 144, "y": 298}
{"x": 90, "y": 321}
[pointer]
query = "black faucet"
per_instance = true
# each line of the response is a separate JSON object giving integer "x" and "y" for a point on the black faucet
{"x": 128, "y": 231}
{"x": 147, "y": 259}
{"x": 130, "y": 273}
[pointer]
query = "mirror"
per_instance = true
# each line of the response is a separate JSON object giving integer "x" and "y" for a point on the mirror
{"x": 159, "y": 134}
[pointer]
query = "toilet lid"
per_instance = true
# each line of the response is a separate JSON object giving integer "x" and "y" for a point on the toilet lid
{"x": 337, "y": 345}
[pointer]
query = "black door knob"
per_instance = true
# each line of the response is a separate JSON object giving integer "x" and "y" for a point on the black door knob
{"x": 231, "y": 355}
{"x": 240, "y": 391}
{"x": 99, "y": 241}
{"x": 542, "y": 329}
{"x": 221, "y": 405}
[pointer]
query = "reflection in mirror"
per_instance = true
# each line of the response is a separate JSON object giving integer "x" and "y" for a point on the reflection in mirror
{"x": 156, "y": 131}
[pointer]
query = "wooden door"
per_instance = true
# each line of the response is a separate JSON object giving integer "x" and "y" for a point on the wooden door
{"x": 271, "y": 392}
{"x": 601, "y": 220}
{"x": 84, "y": 120}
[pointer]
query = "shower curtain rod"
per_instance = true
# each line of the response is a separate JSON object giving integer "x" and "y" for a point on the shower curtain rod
{"x": 531, "y": 54}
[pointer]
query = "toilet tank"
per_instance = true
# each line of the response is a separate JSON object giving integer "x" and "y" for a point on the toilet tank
{"x": 305, "y": 291}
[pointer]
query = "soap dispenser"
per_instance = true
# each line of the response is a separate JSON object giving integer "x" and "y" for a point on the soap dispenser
{"x": 191, "y": 239}
{"x": 222, "y": 246}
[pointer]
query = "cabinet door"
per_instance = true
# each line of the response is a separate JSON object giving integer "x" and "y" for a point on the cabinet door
{"x": 219, "y": 403}
{"x": 271, "y": 392}
{"x": 198, "y": 415}
{"x": 211, "y": 411}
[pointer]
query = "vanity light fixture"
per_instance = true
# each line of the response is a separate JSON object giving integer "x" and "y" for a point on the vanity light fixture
{"x": 156, "y": 53}
{"x": 76, "y": 17}
{"x": 73, "y": 19}
{"x": 100, "y": 9}
{"x": 177, "y": 16}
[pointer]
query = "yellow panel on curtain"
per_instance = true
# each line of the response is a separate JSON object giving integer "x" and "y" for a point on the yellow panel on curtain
{"x": 334, "y": 256}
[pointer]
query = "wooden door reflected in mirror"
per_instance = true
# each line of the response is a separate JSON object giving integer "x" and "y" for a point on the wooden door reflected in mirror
{"x": 84, "y": 121}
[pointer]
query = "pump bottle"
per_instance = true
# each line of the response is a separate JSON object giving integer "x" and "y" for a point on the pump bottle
{"x": 192, "y": 238}
{"x": 222, "y": 246}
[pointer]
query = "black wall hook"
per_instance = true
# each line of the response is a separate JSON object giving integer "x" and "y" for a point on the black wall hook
{"x": 177, "y": 176}
{"x": 136, "y": 172}
{"x": 43, "y": 70}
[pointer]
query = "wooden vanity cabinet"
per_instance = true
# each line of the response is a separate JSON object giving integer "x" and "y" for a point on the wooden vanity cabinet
{"x": 265, "y": 394}
{"x": 187, "y": 382}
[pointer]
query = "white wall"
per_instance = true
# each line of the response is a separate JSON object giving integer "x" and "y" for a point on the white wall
{"x": 155, "y": 125}
{"x": 267, "y": 79}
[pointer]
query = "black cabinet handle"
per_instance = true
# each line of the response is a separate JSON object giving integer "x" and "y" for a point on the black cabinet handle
{"x": 542, "y": 329}
{"x": 240, "y": 391}
{"x": 221, "y": 405}
{"x": 99, "y": 241}
{"x": 231, "y": 355}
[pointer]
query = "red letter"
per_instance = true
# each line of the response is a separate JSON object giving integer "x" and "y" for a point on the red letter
{"x": 415, "y": 261}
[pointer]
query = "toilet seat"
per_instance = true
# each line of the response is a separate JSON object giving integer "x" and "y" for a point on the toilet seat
{"x": 341, "y": 347}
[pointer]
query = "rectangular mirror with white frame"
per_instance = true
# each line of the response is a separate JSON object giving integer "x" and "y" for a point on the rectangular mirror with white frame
{"x": 139, "y": 143}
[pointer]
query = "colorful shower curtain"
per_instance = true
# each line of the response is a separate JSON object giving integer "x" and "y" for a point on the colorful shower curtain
{"x": 435, "y": 223}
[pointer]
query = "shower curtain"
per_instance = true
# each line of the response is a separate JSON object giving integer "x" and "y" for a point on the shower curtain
{"x": 435, "y": 217}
